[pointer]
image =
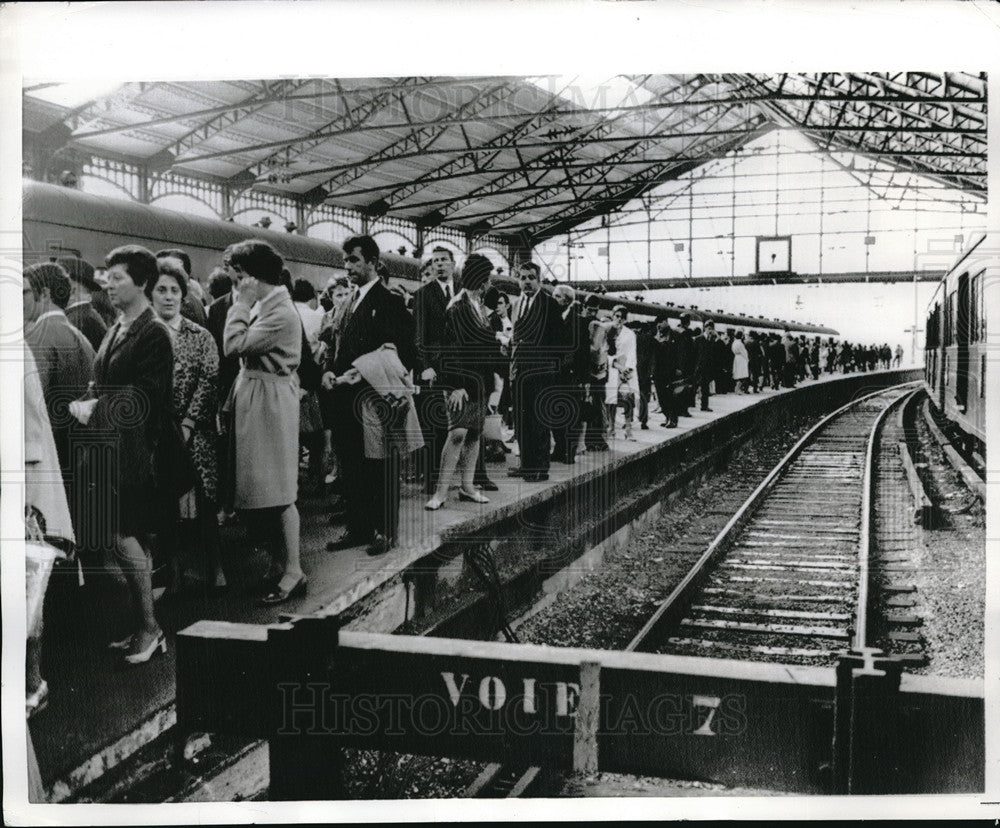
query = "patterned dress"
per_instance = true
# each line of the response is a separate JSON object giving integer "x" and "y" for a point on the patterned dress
{"x": 196, "y": 368}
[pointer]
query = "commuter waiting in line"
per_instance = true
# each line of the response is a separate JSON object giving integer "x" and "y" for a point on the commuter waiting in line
{"x": 373, "y": 318}
{"x": 133, "y": 401}
{"x": 196, "y": 369}
{"x": 623, "y": 374}
{"x": 469, "y": 358}
{"x": 740, "y": 362}
{"x": 263, "y": 329}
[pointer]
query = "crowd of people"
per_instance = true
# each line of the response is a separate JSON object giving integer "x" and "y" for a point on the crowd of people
{"x": 174, "y": 409}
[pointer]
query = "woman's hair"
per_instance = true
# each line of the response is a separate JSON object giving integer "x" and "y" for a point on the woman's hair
{"x": 165, "y": 267}
{"x": 476, "y": 271}
{"x": 258, "y": 259}
{"x": 303, "y": 291}
{"x": 620, "y": 309}
{"x": 219, "y": 283}
{"x": 139, "y": 263}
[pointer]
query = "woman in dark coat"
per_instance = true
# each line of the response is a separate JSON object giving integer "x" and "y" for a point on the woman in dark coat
{"x": 471, "y": 357}
{"x": 133, "y": 408}
{"x": 195, "y": 395}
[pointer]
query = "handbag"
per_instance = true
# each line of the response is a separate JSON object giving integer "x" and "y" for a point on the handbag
{"x": 492, "y": 425}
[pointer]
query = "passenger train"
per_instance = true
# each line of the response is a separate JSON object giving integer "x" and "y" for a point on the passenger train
{"x": 62, "y": 221}
{"x": 956, "y": 354}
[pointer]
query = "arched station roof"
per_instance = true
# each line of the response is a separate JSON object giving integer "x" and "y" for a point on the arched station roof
{"x": 519, "y": 158}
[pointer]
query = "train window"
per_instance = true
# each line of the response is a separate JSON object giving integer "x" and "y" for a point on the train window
{"x": 949, "y": 320}
{"x": 978, "y": 291}
{"x": 974, "y": 308}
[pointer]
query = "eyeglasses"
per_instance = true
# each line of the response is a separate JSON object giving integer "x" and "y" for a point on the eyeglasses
{"x": 353, "y": 259}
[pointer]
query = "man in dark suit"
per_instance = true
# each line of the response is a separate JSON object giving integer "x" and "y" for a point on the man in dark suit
{"x": 65, "y": 363}
{"x": 574, "y": 375}
{"x": 535, "y": 359}
{"x": 79, "y": 310}
{"x": 665, "y": 370}
{"x": 429, "y": 304}
{"x": 686, "y": 364}
{"x": 644, "y": 344}
{"x": 373, "y": 317}
{"x": 705, "y": 362}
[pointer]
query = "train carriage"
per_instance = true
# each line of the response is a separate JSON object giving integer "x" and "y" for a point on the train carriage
{"x": 956, "y": 365}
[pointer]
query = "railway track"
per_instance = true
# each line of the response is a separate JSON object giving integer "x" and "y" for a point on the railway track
{"x": 787, "y": 578}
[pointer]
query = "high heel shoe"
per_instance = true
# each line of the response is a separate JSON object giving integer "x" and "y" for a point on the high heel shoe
{"x": 159, "y": 642}
{"x": 279, "y": 595}
{"x": 473, "y": 497}
{"x": 433, "y": 504}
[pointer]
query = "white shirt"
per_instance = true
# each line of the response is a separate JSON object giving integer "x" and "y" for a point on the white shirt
{"x": 447, "y": 288}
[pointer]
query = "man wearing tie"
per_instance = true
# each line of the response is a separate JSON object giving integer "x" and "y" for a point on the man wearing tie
{"x": 373, "y": 317}
{"x": 429, "y": 304}
{"x": 535, "y": 360}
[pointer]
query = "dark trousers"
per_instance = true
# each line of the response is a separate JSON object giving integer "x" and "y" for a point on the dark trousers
{"x": 533, "y": 414}
{"x": 432, "y": 412}
{"x": 382, "y": 484}
{"x": 692, "y": 390}
{"x": 567, "y": 419}
{"x": 790, "y": 375}
{"x": 371, "y": 487}
{"x": 665, "y": 394}
{"x": 593, "y": 414}
{"x": 645, "y": 383}
{"x": 702, "y": 383}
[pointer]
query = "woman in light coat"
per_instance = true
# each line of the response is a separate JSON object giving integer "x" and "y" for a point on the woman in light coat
{"x": 263, "y": 329}
{"x": 741, "y": 363}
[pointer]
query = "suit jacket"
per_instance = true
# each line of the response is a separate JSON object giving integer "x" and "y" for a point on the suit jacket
{"x": 194, "y": 310}
{"x": 380, "y": 317}
{"x": 229, "y": 366}
{"x": 133, "y": 373}
{"x": 576, "y": 342}
{"x": 65, "y": 364}
{"x": 686, "y": 352}
{"x": 429, "y": 311}
{"x": 665, "y": 359}
{"x": 86, "y": 320}
{"x": 538, "y": 336}
{"x": 704, "y": 358}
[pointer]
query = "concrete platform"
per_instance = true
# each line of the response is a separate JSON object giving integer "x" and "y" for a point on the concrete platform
{"x": 101, "y": 711}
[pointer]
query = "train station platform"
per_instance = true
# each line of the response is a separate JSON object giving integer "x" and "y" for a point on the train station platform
{"x": 101, "y": 711}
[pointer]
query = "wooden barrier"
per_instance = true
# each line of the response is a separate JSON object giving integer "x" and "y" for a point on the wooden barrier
{"x": 311, "y": 690}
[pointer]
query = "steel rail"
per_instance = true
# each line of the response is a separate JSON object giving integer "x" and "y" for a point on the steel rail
{"x": 674, "y": 604}
{"x": 860, "y": 637}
